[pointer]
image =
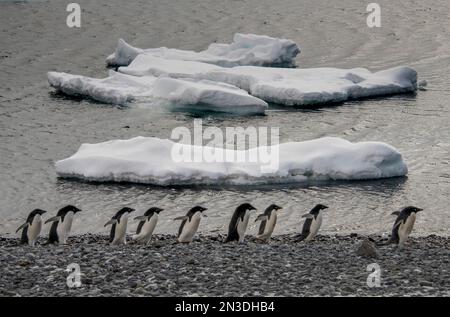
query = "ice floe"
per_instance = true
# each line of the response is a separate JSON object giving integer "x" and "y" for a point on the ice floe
{"x": 246, "y": 49}
{"x": 287, "y": 86}
{"x": 139, "y": 160}
{"x": 198, "y": 94}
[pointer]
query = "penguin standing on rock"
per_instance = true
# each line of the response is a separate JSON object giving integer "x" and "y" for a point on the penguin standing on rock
{"x": 190, "y": 224}
{"x": 239, "y": 223}
{"x": 32, "y": 227}
{"x": 62, "y": 224}
{"x": 119, "y": 226}
{"x": 268, "y": 221}
{"x": 312, "y": 223}
{"x": 403, "y": 225}
{"x": 147, "y": 224}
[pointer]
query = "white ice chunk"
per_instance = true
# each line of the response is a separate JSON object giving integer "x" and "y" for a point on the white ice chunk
{"x": 139, "y": 160}
{"x": 115, "y": 89}
{"x": 246, "y": 49}
{"x": 287, "y": 86}
{"x": 197, "y": 94}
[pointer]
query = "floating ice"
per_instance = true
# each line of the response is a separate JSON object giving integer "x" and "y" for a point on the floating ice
{"x": 287, "y": 86}
{"x": 139, "y": 160}
{"x": 246, "y": 49}
{"x": 198, "y": 94}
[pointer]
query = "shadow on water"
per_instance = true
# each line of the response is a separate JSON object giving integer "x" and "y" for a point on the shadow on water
{"x": 409, "y": 96}
{"x": 385, "y": 186}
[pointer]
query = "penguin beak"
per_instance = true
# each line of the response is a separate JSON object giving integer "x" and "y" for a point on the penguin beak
{"x": 325, "y": 207}
{"x": 419, "y": 209}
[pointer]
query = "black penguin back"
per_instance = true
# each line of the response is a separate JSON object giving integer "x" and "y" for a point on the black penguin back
{"x": 24, "y": 237}
{"x": 183, "y": 223}
{"x": 112, "y": 233}
{"x": 53, "y": 235}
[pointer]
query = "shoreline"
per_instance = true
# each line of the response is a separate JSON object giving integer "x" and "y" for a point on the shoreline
{"x": 327, "y": 266}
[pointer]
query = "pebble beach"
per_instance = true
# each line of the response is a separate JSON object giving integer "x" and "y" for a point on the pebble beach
{"x": 327, "y": 266}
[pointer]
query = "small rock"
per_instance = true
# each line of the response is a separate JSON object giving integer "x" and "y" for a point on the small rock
{"x": 367, "y": 249}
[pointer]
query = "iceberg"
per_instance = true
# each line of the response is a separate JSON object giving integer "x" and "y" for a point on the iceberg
{"x": 138, "y": 160}
{"x": 246, "y": 49}
{"x": 286, "y": 86}
{"x": 196, "y": 94}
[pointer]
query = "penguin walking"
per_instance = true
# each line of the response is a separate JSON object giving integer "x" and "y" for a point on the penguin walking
{"x": 119, "y": 224}
{"x": 189, "y": 224}
{"x": 312, "y": 223}
{"x": 239, "y": 222}
{"x": 62, "y": 224}
{"x": 32, "y": 227}
{"x": 147, "y": 224}
{"x": 268, "y": 221}
{"x": 403, "y": 225}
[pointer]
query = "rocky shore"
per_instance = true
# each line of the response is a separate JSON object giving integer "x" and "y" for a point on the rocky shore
{"x": 328, "y": 266}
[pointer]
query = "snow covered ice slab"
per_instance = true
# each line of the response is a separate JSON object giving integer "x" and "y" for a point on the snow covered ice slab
{"x": 150, "y": 160}
{"x": 246, "y": 49}
{"x": 287, "y": 86}
{"x": 197, "y": 94}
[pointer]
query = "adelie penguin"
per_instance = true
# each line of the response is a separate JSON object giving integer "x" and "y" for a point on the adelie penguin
{"x": 268, "y": 221}
{"x": 62, "y": 224}
{"x": 403, "y": 225}
{"x": 190, "y": 224}
{"x": 119, "y": 226}
{"x": 32, "y": 227}
{"x": 147, "y": 224}
{"x": 312, "y": 223}
{"x": 239, "y": 222}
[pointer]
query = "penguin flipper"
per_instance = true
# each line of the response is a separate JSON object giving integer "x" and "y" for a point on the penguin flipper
{"x": 26, "y": 224}
{"x": 53, "y": 219}
{"x": 111, "y": 222}
{"x": 181, "y": 218}
{"x": 308, "y": 216}
{"x": 141, "y": 218}
{"x": 262, "y": 217}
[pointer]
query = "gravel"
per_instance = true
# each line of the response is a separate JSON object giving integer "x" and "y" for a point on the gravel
{"x": 328, "y": 266}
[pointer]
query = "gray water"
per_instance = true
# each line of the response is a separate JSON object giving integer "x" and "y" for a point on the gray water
{"x": 38, "y": 127}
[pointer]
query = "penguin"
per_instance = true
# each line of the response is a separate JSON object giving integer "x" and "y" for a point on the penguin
{"x": 62, "y": 224}
{"x": 403, "y": 225}
{"x": 268, "y": 221}
{"x": 238, "y": 223}
{"x": 190, "y": 224}
{"x": 147, "y": 224}
{"x": 312, "y": 223}
{"x": 32, "y": 227}
{"x": 119, "y": 226}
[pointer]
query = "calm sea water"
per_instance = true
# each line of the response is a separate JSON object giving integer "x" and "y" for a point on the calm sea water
{"x": 38, "y": 127}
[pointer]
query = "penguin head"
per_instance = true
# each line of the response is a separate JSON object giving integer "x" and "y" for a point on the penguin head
{"x": 411, "y": 209}
{"x": 318, "y": 208}
{"x": 37, "y": 212}
{"x": 274, "y": 207}
{"x": 153, "y": 210}
{"x": 69, "y": 208}
{"x": 124, "y": 210}
{"x": 246, "y": 207}
{"x": 197, "y": 208}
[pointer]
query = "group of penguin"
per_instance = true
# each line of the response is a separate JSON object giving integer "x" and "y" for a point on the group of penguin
{"x": 62, "y": 224}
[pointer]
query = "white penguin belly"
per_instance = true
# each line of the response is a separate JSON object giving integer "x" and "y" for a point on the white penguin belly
{"x": 147, "y": 229}
{"x": 405, "y": 229}
{"x": 315, "y": 226}
{"x": 190, "y": 228}
{"x": 121, "y": 230}
{"x": 34, "y": 229}
{"x": 63, "y": 228}
{"x": 242, "y": 226}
